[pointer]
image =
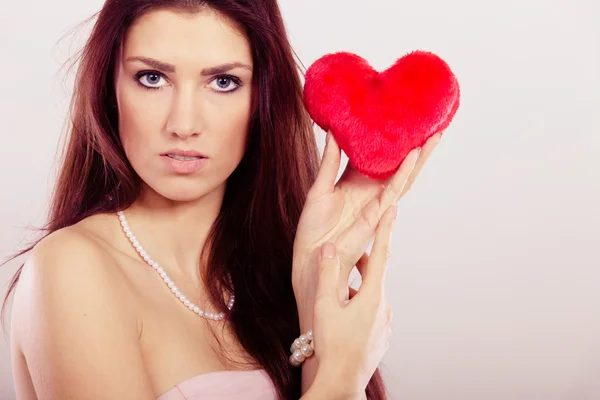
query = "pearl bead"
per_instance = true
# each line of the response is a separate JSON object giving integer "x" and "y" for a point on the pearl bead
{"x": 297, "y": 343}
{"x": 294, "y": 362}
{"x": 303, "y": 339}
{"x": 299, "y": 356}
{"x": 310, "y": 335}
{"x": 306, "y": 350}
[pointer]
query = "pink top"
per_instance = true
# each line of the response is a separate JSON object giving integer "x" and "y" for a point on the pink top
{"x": 224, "y": 385}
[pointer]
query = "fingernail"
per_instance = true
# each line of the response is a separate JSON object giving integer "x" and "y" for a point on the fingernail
{"x": 328, "y": 250}
{"x": 395, "y": 211}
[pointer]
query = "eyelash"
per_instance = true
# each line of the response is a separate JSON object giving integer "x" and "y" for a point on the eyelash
{"x": 232, "y": 78}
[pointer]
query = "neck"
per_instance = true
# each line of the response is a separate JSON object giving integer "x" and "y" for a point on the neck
{"x": 174, "y": 233}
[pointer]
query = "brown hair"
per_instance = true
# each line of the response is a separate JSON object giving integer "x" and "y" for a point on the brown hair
{"x": 252, "y": 238}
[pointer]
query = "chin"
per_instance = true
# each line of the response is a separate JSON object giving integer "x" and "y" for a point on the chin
{"x": 182, "y": 197}
{"x": 185, "y": 192}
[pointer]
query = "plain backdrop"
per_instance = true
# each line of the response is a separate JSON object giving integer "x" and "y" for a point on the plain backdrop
{"x": 495, "y": 275}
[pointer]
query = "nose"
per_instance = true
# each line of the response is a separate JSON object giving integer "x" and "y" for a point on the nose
{"x": 184, "y": 117}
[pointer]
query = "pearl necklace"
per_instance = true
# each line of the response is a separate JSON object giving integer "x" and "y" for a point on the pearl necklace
{"x": 168, "y": 281}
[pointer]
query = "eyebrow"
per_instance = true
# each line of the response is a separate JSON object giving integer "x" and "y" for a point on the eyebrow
{"x": 219, "y": 69}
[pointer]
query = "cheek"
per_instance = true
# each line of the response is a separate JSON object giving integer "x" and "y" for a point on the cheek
{"x": 138, "y": 119}
{"x": 233, "y": 123}
{"x": 132, "y": 134}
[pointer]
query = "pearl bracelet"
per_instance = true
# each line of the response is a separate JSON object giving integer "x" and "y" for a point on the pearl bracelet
{"x": 301, "y": 349}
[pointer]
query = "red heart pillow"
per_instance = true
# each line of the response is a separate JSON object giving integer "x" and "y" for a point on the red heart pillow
{"x": 377, "y": 118}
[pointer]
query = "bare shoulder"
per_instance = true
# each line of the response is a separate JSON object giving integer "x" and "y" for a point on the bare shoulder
{"x": 72, "y": 244}
{"x": 67, "y": 263}
{"x": 71, "y": 258}
{"x": 71, "y": 323}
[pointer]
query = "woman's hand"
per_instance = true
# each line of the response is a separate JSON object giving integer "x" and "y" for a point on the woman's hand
{"x": 350, "y": 337}
{"x": 331, "y": 210}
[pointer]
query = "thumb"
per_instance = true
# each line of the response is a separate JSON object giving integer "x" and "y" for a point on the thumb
{"x": 329, "y": 272}
{"x": 329, "y": 168}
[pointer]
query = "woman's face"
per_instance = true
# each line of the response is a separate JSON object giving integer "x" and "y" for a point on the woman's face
{"x": 184, "y": 94}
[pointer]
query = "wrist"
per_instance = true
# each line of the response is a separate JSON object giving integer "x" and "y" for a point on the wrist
{"x": 304, "y": 266}
{"x": 304, "y": 287}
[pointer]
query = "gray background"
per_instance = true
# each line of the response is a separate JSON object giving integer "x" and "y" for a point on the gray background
{"x": 495, "y": 275}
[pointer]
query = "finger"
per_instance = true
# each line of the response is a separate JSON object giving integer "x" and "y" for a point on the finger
{"x": 329, "y": 168}
{"x": 345, "y": 291}
{"x": 354, "y": 240}
{"x": 393, "y": 189}
{"x": 343, "y": 288}
{"x": 329, "y": 271}
{"x": 426, "y": 151}
{"x": 375, "y": 273}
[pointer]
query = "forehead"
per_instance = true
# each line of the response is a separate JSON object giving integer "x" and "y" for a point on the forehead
{"x": 203, "y": 38}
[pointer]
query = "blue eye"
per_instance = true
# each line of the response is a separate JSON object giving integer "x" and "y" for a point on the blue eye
{"x": 150, "y": 79}
{"x": 225, "y": 84}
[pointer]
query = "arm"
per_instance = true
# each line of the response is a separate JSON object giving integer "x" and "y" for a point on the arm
{"x": 323, "y": 388}
{"x": 78, "y": 336}
{"x": 328, "y": 384}
{"x": 305, "y": 302}
{"x": 314, "y": 384}
{"x": 310, "y": 365}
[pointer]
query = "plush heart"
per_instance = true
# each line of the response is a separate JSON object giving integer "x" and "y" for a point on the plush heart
{"x": 377, "y": 118}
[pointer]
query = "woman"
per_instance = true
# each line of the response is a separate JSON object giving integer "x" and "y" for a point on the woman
{"x": 182, "y": 254}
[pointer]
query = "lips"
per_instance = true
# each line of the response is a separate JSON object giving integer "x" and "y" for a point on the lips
{"x": 183, "y": 158}
{"x": 183, "y": 155}
{"x": 183, "y": 165}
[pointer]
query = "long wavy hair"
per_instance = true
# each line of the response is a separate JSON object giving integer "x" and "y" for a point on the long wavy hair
{"x": 253, "y": 235}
